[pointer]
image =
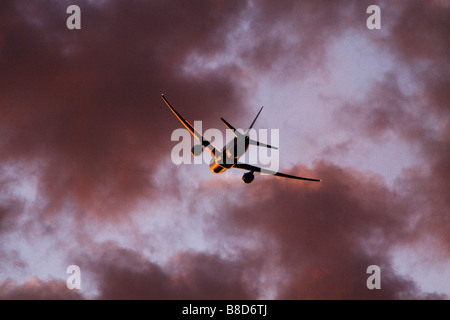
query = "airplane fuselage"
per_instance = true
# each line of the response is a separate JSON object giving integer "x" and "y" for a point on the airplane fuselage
{"x": 229, "y": 155}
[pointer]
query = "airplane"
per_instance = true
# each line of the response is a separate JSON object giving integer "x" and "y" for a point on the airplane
{"x": 228, "y": 157}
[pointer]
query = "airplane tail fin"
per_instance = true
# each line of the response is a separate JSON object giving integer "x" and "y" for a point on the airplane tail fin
{"x": 257, "y": 143}
{"x": 236, "y": 133}
{"x": 246, "y": 135}
{"x": 251, "y": 126}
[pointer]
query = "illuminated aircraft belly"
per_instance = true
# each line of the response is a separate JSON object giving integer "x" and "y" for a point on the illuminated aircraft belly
{"x": 217, "y": 166}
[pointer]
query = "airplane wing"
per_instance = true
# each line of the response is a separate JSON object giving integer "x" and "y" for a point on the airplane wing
{"x": 214, "y": 151}
{"x": 249, "y": 167}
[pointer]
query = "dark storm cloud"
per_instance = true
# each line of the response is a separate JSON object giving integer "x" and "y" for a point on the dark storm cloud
{"x": 323, "y": 237}
{"x": 426, "y": 53}
{"x": 120, "y": 273}
{"x": 420, "y": 31}
{"x": 292, "y": 37}
{"x": 85, "y": 105}
{"x": 420, "y": 118}
{"x": 36, "y": 289}
{"x": 125, "y": 274}
{"x": 11, "y": 206}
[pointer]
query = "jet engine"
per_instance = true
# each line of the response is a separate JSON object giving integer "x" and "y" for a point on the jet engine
{"x": 197, "y": 150}
{"x": 248, "y": 177}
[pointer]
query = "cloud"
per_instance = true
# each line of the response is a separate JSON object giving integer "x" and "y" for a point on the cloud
{"x": 85, "y": 105}
{"x": 83, "y": 109}
{"x": 11, "y": 206}
{"x": 291, "y": 38}
{"x": 323, "y": 237}
{"x": 429, "y": 41}
{"x": 286, "y": 240}
{"x": 36, "y": 289}
{"x": 411, "y": 103}
{"x": 125, "y": 274}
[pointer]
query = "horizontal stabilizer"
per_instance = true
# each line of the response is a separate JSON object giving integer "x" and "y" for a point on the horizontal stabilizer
{"x": 260, "y": 144}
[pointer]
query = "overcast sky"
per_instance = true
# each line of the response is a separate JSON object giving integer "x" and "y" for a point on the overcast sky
{"x": 86, "y": 176}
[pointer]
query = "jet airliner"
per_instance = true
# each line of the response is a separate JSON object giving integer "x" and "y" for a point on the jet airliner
{"x": 228, "y": 157}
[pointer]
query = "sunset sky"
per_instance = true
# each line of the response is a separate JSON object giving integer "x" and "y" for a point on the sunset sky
{"x": 86, "y": 176}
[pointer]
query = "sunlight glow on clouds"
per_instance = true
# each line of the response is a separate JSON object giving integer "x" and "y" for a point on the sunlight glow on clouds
{"x": 85, "y": 170}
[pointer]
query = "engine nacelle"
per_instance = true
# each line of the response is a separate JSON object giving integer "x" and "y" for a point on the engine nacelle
{"x": 197, "y": 150}
{"x": 248, "y": 177}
